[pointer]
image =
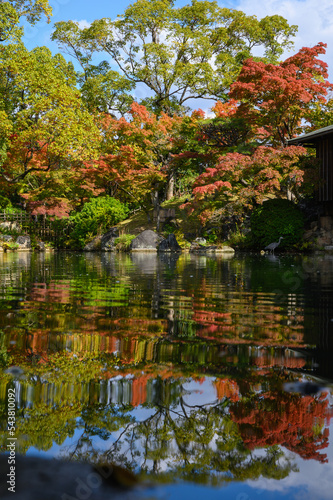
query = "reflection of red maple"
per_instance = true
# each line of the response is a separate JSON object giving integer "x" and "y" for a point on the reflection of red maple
{"x": 139, "y": 390}
{"x": 289, "y": 420}
{"x": 227, "y": 388}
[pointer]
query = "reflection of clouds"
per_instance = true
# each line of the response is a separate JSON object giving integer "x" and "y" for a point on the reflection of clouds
{"x": 313, "y": 481}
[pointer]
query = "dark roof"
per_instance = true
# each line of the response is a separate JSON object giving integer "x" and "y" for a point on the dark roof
{"x": 312, "y": 137}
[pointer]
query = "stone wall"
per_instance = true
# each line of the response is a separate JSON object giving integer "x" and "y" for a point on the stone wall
{"x": 320, "y": 234}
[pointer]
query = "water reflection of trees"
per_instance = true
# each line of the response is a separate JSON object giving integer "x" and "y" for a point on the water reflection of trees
{"x": 153, "y": 423}
{"x": 179, "y": 296}
{"x": 103, "y": 336}
{"x": 180, "y": 441}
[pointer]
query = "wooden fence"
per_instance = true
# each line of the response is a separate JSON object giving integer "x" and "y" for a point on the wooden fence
{"x": 42, "y": 227}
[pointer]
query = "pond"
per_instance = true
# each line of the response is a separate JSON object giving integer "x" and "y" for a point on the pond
{"x": 191, "y": 371}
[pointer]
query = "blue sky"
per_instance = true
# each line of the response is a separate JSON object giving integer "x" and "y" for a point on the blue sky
{"x": 314, "y": 19}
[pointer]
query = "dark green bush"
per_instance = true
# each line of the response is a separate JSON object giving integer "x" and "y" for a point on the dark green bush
{"x": 275, "y": 218}
{"x": 96, "y": 217}
{"x": 5, "y": 203}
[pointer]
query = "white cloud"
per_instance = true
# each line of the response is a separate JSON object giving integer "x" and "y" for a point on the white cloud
{"x": 82, "y": 23}
{"x": 314, "y": 20}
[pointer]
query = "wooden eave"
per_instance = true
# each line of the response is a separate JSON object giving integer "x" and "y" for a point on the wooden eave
{"x": 312, "y": 138}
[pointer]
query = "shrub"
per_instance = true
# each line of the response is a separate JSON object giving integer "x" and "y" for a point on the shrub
{"x": 275, "y": 218}
{"x": 122, "y": 243}
{"x": 96, "y": 217}
{"x": 211, "y": 236}
{"x": 5, "y": 203}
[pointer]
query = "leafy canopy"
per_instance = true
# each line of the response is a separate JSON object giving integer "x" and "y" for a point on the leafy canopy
{"x": 12, "y": 10}
{"x": 278, "y": 96}
{"x": 195, "y": 51}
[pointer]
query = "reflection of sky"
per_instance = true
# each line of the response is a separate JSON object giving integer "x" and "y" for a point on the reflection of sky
{"x": 314, "y": 481}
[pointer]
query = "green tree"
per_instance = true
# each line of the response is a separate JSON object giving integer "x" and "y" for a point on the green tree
{"x": 195, "y": 51}
{"x": 45, "y": 126}
{"x": 12, "y": 10}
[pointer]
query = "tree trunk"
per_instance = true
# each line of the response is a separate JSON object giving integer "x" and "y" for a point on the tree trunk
{"x": 170, "y": 186}
{"x": 156, "y": 204}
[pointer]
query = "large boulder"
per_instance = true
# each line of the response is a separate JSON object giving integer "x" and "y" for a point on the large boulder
{"x": 93, "y": 245}
{"x": 147, "y": 240}
{"x": 24, "y": 242}
{"x": 108, "y": 240}
{"x": 169, "y": 244}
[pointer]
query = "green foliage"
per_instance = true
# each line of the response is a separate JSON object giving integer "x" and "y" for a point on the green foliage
{"x": 122, "y": 243}
{"x": 239, "y": 239}
{"x": 96, "y": 217}
{"x": 9, "y": 208}
{"x": 5, "y": 203}
{"x": 211, "y": 236}
{"x": 168, "y": 229}
{"x": 172, "y": 51}
{"x": 275, "y": 218}
{"x": 4, "y": 358}
{"x": 9, "y": 245}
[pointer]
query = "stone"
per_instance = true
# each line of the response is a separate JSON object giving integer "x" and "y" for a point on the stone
{"x": 226, "y": 249}
{"x": 201, "y": 241}
{"x": 197, "y": 248}
{"x": 108, "y": 240}
{"x": 40, "y": 246}
{"x": 93, "y": 245}
{"x": 38, "y": 478}
{"x": 24, "y": 242}
{"x": 307, "y": 235}
{"x": 6, "y": 237}
{"x": 164, "y": 213}
{"x": 323, "y": 241}
{"x": 326, "y": 222}
{"x": 169, "y": 244}
{"x": 147, "y": 240}
{"x": 11, "y": 226}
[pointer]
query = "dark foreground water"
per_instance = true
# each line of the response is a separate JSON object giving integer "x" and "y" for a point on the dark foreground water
{"x": 191, "y": 371}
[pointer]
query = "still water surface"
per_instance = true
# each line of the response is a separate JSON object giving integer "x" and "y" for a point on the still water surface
{"x": 174, "y": 366}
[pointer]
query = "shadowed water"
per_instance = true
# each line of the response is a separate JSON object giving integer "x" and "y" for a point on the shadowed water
{"x": 178, "y": 367}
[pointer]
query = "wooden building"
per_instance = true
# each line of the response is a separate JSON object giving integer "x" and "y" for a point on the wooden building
{"x": 322, "y": 141}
